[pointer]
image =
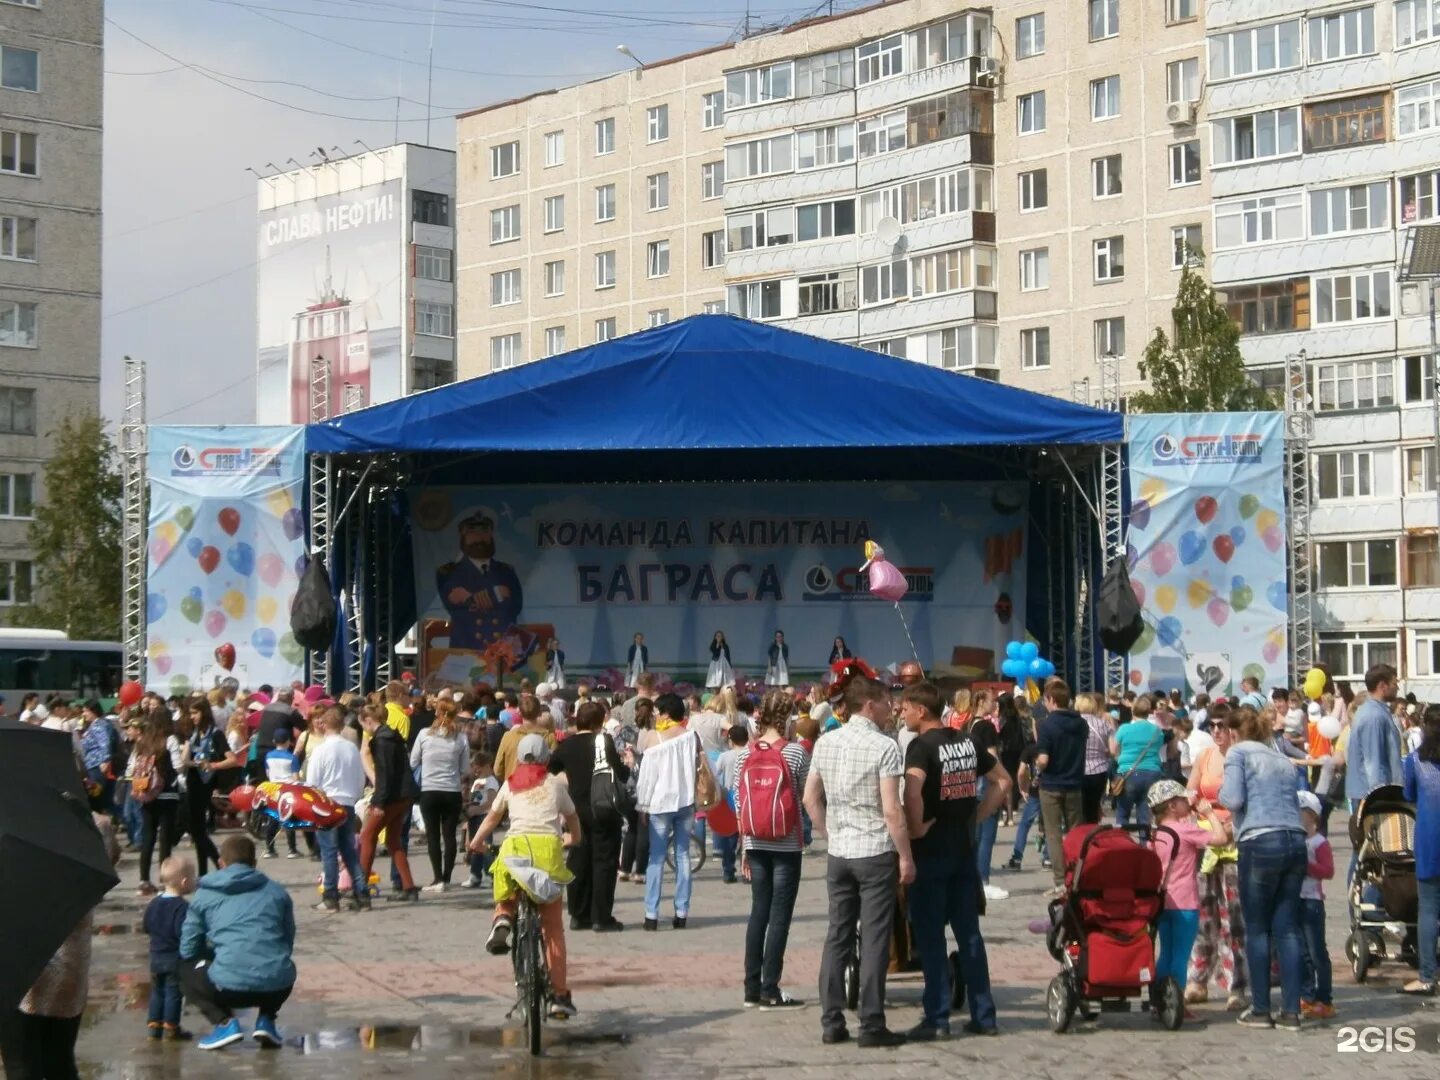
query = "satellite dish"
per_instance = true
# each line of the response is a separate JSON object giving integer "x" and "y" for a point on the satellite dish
{"x": 887, "y": 231}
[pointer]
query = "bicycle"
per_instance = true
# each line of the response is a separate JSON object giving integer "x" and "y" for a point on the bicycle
{"x": 698, "y": 851}
{"x": 532, "y": 977}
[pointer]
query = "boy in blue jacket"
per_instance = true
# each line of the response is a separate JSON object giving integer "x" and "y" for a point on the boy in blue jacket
{"x": 164, "y": 918}
{"x": 236, "y": 946}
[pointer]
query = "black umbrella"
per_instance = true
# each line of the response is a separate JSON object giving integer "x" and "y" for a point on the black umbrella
{"x": 52, "y": 859}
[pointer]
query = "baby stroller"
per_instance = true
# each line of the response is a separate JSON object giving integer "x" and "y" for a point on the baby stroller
{"x": 1383, "y": 892}
{"x": 1103, "y": 929}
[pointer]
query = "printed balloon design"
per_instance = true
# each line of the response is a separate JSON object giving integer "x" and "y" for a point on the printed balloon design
{"x": 1248, "y": 505}
{"x": 1254, "y": 671}
{"x": 1205, "y": 508}
{"x": 1224, "y": 548}
{"x": 301, "y": 561}
{"x": 185, "y": 517}
{"x": 209, "y": 558}
{"x": 266, "y": 609}
{"x": 241, "y": 558}
{"x": 1169, "y": 631}
{"x": 229, "y": 519}
{"x": 1165, "y": 598}
{"x": 1152, "y": 489}
{"x": 1162, "y": 558}
{"x": 1237, "y": 535}
{"x": 1138, "y": 588}
{"x": 279, "y": 501}
{"x": 1265, "y": 520}
{"x": 194, "y": 546}
{"x": 1139, "y": 514}
{"x": 1278, "y": 594}
{"x": 1146, "y": 639}
{"x": 1273, "y": 538}
{"x": 234, "y": 604}
{"x": 160, "y": 549}
{"x": 293, "y": 523}
{"x": 155, "y": 607}
{"x": 180, "y": 685}
{"x": 215, "y": 623}
{"x": 291, "y": 649}
{"x": 167, "y": 531}
{"x": 263, "y": 641}
{"x": 192, "y": 608}
{"x": 1241, "y": 595}
{"x": 1198, "y": 591}
{"x": 1218, "y": 611}
{"x": 272, "y": 568}
{"x": 1192, "y": 547}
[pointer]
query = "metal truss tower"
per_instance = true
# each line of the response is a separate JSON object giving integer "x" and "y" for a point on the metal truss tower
{"x": 133, "y": 447}
{"x": 1111, "y": 482}
{"x": 1299, "y": 426}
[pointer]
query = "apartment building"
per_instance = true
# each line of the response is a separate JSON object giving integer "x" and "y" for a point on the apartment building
{"x": 51, "y": 74}
{"x": 1325, "y": 144}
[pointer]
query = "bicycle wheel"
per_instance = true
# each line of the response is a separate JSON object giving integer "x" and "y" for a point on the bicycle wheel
{"x": 535, "y": 1005}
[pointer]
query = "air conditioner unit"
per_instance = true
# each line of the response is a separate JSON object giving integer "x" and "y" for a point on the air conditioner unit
{"x": 1180, "y": 112}
{"x": 987, "y": 71}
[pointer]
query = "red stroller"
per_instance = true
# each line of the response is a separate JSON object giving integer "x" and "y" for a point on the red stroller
{"x": 1103, "y": 930}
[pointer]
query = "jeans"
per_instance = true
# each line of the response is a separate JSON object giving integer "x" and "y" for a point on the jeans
{"x": 1317, "y": 984}
{"x": 1028, "y": 813}
{"x": 219, "y": 1005}
{"x": 774, "y": 884}
{"x": 1132, "y": 799}
{"x": 860, "y": 890}
{"x": 1060, "y": 810}
{"x": 165, "y": 998}
{"x": 947, "y": 892}
{"x": 1272, "y": 868}
{"x": 132, "y": 818}
{"x": 1178, "y": 928}
{"x": 728, "y": 848}
{"x": 985, "y": 839}
{"x": 479, "y": 864}
{"x": 339, "y": 844}
{"x": 1429, "y": 890}
{"x": 669, "y": 830}
{"x": 440, "y": 810}
{"x": 159, "y": 825}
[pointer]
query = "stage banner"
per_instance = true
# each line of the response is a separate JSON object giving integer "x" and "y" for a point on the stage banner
{"x": 227, "y": 536}
{"x": 1207, "y": 550}
{"x": 502, "y": 571}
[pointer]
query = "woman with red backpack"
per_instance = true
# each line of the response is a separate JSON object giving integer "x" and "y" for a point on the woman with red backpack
{"x": 154, "y": 775}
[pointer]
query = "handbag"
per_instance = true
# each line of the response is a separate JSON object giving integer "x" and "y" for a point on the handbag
{"x": 609, "y": 800}
{"x": 1117, "y": 783}
{"x": 707, "y": 791}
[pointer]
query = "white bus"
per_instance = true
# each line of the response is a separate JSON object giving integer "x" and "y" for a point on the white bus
{"x": 47, "y": 662}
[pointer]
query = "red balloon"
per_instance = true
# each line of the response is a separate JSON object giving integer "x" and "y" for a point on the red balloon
{"x": 130, "y": 694}
{"x": 1224, "y": 547}
{"x": 242, "y": 799}
{"x": 209, "y": 559}
{"x": 225, "y": 655}
{"x": 1205, "y": 508}
{"x": 229, "y": 519}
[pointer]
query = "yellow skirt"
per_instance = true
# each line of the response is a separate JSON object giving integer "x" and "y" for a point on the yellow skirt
{"x": 544, "y": 851}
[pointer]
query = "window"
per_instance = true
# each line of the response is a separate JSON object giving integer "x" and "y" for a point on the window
{"x": 1105, "y": 176}
{"x": 1357, "y": 208}
{"x": 433, "y": 263}
{"x": 1419, "y": 379}
{"x": 1419, "y": 469}
{"x": 17, "y": 411}
{"x": 713, "y": 307}
{"x": 1274, "y": 307}
{"x": 1255, "y": 50}
{"x": 554, "y": 213}
{"x": 821, "y": 221}
{"x": 504, "y": 160}
{"x": 605, "y": 270}
{"x": 825, "y": 73}
{"x": 755, "y": 300}
{"x": 958, "y": 348}
{"x": 1035, "y": 269}
{"x": 1104, "y": 19}
{"x": 1416, "y": 21}
{"x": 554, "y": 149}
{"x": 18, "y": 324}
{"x": 1256, "y": 137}
{"x": 1034, "y": 190}
{"x": 933, "y": 196}
{"x": 1263, "y": 220}
{"x": 1349, "y": 122}
{"x": 760, "y": 228}
{"x": 1422, "y": 563}
{"x": 605, "y": 202}
{"x": 1342, "y": 34}
{"x": 17, "y": 238}
{"x": 505, "y": 288}
{"x": 887, "y": 346}
{"x": 712, "y": 110}
{"x": 657, "y": 123}
{"x": 712, "y": 249}
{"x": 1109, "y": 337}
{"x": 605, "y": 136}
{"x": 821, "y": 147}
{"x": 1030, "y": 35}
{"x": 758, "y": 85}
{"x": 658, "y": 317}
{"x": 885, "y": 282}
{"x": 505, "y": 224}
{"x": 1185, "y": 246}
{"x": 1110, "y": 258}
{"x": 1354, "y": 474}
{"x": 426, "y": 207}
{"x": 760, "y": 157}
{"x": 434, "y": 319}
{"x": 1355, "y": 384}
{"x": 657, "y": 188}
{"x": 1030, "y": 109}
{"x": 880, "y": 59}
{"x": 1417, "y": 108}
{"x": 16, "y": 582}
{"x": 882, "y": 134}
{"x": 1182, "y": 80}
{"x": 1177, "y": 11}
{"x": 604, "y": 329}
{"x": 555, "y": 278}
{"x": 17, "y": 492}
{"x": 504, "y": 351}
{"x": 1185, "y": 163}
{"x": 1035, "y": 348}
{"x": 1417, "y": 197}
{"x": 1356, "y": 564}
{"x": 554, "y": 340}
{"x": 712, "y": 180}
{"x": 1104, "y": 98}
{"x": 1351, "y": 297}
{"x": 943, "y": 42}
{"x": 938, "y": 272}
{"x": 822, "y": 294}
{"x": 657, "y": 258}
{"x": 19, "y": 68}
{"x": 426, "y": 373}
{"x": 1348, "y": 655}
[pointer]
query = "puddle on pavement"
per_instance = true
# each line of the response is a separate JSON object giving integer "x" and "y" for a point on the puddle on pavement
{"x": 439, "y": 1037}
{"x": 118, "y": 929}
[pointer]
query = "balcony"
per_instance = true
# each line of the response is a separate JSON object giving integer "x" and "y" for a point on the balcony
{"x": 1417, "y": 153}
{"x": 891, "y": 320}
{"x": 794, "y": 113}
{"x": 974, "y": 149}
{"x": 848, "y": 251}
{"x": 1304, "y": 256}
{"x": 1330, "y": 340}
{"x": 956, "y": 75}
{"x": 790, "y": 187}
{"x": 1355, "y": 609}
{"x": 1286, "y": 87}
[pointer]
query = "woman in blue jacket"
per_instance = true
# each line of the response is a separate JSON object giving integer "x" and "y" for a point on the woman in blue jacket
{"x": 1421, "y": 769}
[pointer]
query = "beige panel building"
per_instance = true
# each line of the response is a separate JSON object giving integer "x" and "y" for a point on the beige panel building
{"x": 51, "y": 74}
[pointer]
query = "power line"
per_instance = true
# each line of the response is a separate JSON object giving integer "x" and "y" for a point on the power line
{"x": 178, "y": 217}
{"x": 494, "y": 23}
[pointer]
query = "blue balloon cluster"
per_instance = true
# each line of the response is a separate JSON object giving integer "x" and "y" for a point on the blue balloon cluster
{"x": 1023, "y": 660}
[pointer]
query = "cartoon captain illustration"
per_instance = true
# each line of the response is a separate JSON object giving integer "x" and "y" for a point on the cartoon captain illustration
{"x": 481, "y": 593}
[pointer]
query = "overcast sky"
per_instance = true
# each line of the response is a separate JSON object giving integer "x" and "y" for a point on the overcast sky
{"x": 179, "y": 204}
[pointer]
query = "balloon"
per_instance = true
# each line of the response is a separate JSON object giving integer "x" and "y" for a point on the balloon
{"x": 1165, "y": 598}
{"x": 265, "y": 609}
{"x": 301, "y": 561}
{"x": 1314, "y": 683}
{"x": 1237, "y": 534}
{"x": 279, "y": 501}
{"x": 1146, "y": 639}
{"x": 1139, "y": 514}
{"x": 293, "y": 523}
{"x": 264, "y": 641}
{"x": 1218, "y": 611}
{"x": 1205, "y": 508}
{"x": 209, "y": 558}
{"x": 272, "y": 568}
{"x": 1273, "y": 537}
{"x": 1037, "y": 668}
{"x": 194, "y": 546}
{"x": 1241, "y": 596}
{"x": 291, "y": 649}
{"x": 1224, "y": 548}
{"x": 1047, "y": 669}
{"x": 196, "y": 592}
{"x": 886, "y": 581}
{"x": 1253, "y": 671}
{"x": 1012, "y": 650}
{"x": 1013, "y": 668}
{"x": 1198, "y": 592}
{"x": 180, "y": 685}
{"x": 1135, "y": 677}
{"x": 155, "y": 605}
{"x": 214, "y": 623}
{"x": 1151, "y": 489}
{"x": 225, "y": 655}
{"x": 1328, "y": 727}
{"x": 130, "y": 693}
{"x": 1266, "y": 519}
{"x": 241, "y": 558}
{"x": 1192, "y": 546}
{"x": 1248, "y": 505}
{"x": 1169, "y": 631}
{"x": 1029, "y": 651}
{"x": 1270, "y": 651}
{"x": 162, "y": 664}
{"x": 234, "y": 604}
{"x": 1138, "y": 588}
{"x": 192, "y": 608}
{"x": 167, "y": 531}
{"x": 1278, "y": 594}
{"x": 1162, "y": 559}
{"x": 159, "y": 549}
{"x": 229, "y": 519}
{"x": 185, "y": 517}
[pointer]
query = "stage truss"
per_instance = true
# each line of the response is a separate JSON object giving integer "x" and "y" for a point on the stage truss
{"x": 134, "y": 445}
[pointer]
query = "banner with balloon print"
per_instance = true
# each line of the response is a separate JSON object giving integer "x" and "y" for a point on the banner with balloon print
{"x": 1206, "y": 548}
{"x": 227, "y": 545}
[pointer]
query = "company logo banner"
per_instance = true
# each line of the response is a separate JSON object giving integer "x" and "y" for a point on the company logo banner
{"x": 1207, "y": 546}
{"x": 227, "y": 535}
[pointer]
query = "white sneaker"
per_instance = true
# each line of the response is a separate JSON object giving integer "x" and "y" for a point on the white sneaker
{"x": 471, "y": 883}
{"x": 439, "y": 886}
{"x": 994, "y": 892}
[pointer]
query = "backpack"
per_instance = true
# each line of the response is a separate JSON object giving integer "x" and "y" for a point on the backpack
{"x": 1121, "y": 623}
{"x": 766, "y": 794}
{"x": 312, "y": 614}
{"x": 147, "y": 781}
{"x": 609, "y": 799}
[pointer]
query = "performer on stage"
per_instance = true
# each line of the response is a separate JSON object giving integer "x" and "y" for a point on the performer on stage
{"x": 841, "y": 651}
{"x": 639, "y": 660}
{"x": 555, "y": 664}
{"x": 721, "y": 674}
{"x": 778, "y": 673}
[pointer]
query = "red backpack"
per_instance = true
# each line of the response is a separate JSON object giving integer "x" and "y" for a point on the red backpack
{"x": 766, "y": 794}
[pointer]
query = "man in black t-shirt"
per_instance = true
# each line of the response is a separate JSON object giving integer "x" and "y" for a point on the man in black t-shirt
{"x": 280, "y": 713}
{"x": 943, "y": 768}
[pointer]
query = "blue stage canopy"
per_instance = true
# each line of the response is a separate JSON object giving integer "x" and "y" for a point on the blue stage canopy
{"x": 715, "y": 382}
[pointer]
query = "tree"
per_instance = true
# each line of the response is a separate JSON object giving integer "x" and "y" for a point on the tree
{"x": 76, "y": 536}
{"x": 1202, "y": 369}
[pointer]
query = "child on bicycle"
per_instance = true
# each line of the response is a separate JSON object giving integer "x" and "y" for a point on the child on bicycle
{"x": 543, "y": 823}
